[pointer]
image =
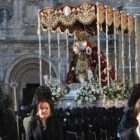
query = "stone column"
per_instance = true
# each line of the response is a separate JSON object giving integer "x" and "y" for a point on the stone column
{"x": 15, "y": 13}
{"x": 20, "y": 13}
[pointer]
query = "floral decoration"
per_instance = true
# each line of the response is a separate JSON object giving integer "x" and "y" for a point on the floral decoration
{"x": 117, "y": 90}
{"x": 90, "y": 92}
{"x": 57, "y": 91}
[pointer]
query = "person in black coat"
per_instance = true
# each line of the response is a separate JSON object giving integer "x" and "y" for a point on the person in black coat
{"x": 134, "y": 132}
{"x": 42, "y": 92}
{"x": 128, "y": 119}
{"x": 8, "y": 122}
{"x": 44, "y": 125}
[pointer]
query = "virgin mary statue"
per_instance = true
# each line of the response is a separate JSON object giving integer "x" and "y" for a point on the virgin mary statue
{"x": 85, "y": 58}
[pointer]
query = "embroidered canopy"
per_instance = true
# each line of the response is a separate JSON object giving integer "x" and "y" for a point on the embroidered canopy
{"x": 85, "y": 17}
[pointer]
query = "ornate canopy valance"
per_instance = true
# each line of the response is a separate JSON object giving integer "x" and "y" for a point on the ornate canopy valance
{"x": 68, "y": 17}
{"x": 84, "y": 17}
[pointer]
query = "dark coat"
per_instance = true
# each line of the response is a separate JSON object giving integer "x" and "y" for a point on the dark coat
{"x": 8, "y": 124}
{"x": 53, "y": 130}
{"x": 129, "y": 134}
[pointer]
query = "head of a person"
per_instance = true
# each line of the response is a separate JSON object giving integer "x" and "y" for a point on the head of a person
{"x": 43, "y": 92}
{"x": 137, "y": 110}
{"x": 134, "y": 95}
{"x": 44, "y": 109}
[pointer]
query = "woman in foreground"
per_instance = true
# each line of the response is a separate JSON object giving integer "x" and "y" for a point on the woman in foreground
{"x": 44, "y": 125}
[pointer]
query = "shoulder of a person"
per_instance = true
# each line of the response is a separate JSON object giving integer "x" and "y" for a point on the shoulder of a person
{"x": 128, "y": 132}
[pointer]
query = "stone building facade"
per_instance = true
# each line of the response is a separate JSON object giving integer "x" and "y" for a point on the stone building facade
{"x": 19, "y": 45}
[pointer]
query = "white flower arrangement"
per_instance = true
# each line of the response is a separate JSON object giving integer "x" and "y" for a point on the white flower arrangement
{"x": 90, "y": 92}
{"x": 57, "y": 92}
{"x": 117, "y": 90}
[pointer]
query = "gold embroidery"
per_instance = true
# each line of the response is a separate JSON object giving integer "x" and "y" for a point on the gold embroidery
{"x": 109, "y": 20}
{"x": 84, "y": 17}
{"x": 117, "y": 18}
{"x": 101, "y": 13}
{"x": 85, "y": 14}
{"x": 124, "y": 20}
{"x": 131, "y": 24}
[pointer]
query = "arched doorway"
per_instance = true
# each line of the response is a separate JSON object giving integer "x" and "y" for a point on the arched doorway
{"x": 25, "y": 70}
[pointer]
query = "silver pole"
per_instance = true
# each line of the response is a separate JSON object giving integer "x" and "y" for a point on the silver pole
{"x": 115, "y": 47}
{"x": 59, "y": 64}
{"x": 130, "y": 59}
{"x": 40, "y": 53}
{"x": 129, "y": 56}
{"x": 136, "y": 55}
{"x": 122, "y": 55}
{"x": 107, "y": 54}
{"x": 40, "y": 60}
{"x": 67, "y": 46}
{"x": 14, "y": 85}
{"x": 50, "y": 62}
{"x": 98, "y": 52}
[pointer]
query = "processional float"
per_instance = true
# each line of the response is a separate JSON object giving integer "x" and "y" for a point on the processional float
{"x": 92, "y": 20}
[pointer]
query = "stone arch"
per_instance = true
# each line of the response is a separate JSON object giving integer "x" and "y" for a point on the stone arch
{"x": 25, "y": 70}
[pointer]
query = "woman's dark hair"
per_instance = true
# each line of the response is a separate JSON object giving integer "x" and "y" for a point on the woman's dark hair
{"x": 137, "y": 108}
{"x": 42, "y": 92}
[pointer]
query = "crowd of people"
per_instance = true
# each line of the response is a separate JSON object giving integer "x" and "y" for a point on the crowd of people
{"x": 44, "y": 123}
{"x": 40, "y": 125}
